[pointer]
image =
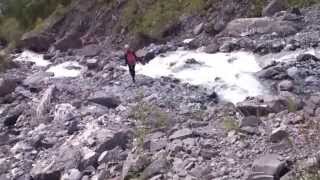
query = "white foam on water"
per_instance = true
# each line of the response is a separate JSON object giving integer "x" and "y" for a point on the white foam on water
{"x": 231, "y": 74}
{"x": 66, "y": 69}
{"x": 30, "y": 56}
{"x": 187, "y": 41}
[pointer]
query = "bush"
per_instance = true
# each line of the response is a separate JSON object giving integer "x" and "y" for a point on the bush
{"x": 10, "y": 30}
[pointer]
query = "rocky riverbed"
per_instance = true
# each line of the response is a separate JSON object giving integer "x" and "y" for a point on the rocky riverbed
{"x": 241, "y": 105}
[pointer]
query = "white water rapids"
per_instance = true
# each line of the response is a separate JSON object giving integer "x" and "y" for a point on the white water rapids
{"x": 231, "y": 75}
{"x": 66, "y": 69}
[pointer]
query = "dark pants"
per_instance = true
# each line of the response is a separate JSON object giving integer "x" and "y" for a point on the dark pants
{"x": 132, "y": 71}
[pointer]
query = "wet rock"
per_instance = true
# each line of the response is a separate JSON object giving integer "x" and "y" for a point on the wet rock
{"x": 72, "y": 174}
{"x": 307, "y": 57}
{"x": 285, "y": 85}
{"x": 182, "y": 134}
{"x": 11, "y": 116}
{"x": 89, "y": 50}
{"x": 192, "y": 61}
{"x": 273, "y": 7}
{"x": 212, "y": 48}
{"x": 92, "y": 63}
{"x": 7, "y": 86}
{"x": 229, "y": 46}
{"x": 278, "y": 135}
{"x": 268, "y": 166}
{"x": 56, "y": 162}
{"x": 198, "y": 29}
{"x": 145, "y": 55}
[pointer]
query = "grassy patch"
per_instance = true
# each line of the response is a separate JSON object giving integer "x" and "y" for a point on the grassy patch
{"x": 230, "y": 124}
{"x": 148, "y": 117}
{"x": 19, "y": 16}
{"x": 153, "y": 17}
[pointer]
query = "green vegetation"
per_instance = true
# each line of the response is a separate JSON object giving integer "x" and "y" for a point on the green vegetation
{"x": 148, "y": 117}
{"x": 313, "y": 174}
{"x": 19, "y": 16}
{"x": 153, "y": 17}
{"x": 230, "y": 124}
{"x": 302, "y": 3}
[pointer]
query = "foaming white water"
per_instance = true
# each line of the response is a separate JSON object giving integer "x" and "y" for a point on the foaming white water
{"x": 66, "y": 69}
{"x": 30, "y": 56}
{"x": 230, "y": 74}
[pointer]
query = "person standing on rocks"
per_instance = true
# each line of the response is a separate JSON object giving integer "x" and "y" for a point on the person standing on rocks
{"x": 131, "y": 60}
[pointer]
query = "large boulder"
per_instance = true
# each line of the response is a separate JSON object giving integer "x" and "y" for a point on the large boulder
{"x": 263, "y": 25}
{"x": 264, "y": 106}
{"x": 56, "y": 163}
{"x": 89, "y": 50}
{"x": 266, "y": 167}
{"x": 105, "y": 99}
{"x": 37, "y": 41}
{"x": 274, "y": 6}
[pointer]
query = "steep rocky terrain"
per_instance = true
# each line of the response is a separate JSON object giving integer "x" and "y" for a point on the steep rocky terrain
{"x": 95, "y": 124}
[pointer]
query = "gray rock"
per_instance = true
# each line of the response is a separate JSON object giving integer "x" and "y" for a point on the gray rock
{"x": 262, "y": 25}
{"x": 4, "y": 138}
{"x": 7, "y": 86}
{"x": 307, "y": 57}
{"x": 12, "y": 115}
{"x": 52, "y": 166}
{"x": 114, "y": 155}
{"x": 278, "y": 135}
{"x": 250, "y": 121}
{"x": 44, "y": 105}
{"x": 34, "y": 81}
{"x": 212, "y": 48}
{"x": 4, "y": 165}
{"x": 285, "y": 85}
{"x": 72, "y": 174}
{"x": 198, "y": 29}
{"x": 92, "y": 63}
{"x": 89, "y": 50}
{"x": 264, "y": 106}
{"x": 105, "y": 99}
{"x": 273, "y": 7}
{"x": 133, "y": 165}
{"x": 267, "y": 166}
{"x": 64, "y": 112}
{"x": 71, "y": 40}
{"x": 89, "y": 157}
{"x": 156, "y": 145}
{"x": 182, "y": 134}
{"x": 293, "y": 72}
{"x": 159, "y": 166}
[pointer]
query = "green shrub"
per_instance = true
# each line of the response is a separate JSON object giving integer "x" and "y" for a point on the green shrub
{"x": 153, "y": 17}
{"x": 230, "y": 123}
{"x": 10, "y": 30}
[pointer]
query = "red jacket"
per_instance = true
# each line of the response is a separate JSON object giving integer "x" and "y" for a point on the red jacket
{"x": 131, "y": 58}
